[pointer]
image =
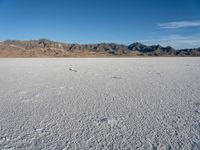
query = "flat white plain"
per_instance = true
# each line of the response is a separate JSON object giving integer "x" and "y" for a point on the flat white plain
{"x": 106, "y": 103}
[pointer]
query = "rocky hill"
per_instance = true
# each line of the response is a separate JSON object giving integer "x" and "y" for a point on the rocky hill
{"x": 47, "y": 48}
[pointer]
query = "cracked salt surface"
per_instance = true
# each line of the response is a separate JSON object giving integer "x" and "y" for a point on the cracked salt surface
{"x": 108, "y": 103}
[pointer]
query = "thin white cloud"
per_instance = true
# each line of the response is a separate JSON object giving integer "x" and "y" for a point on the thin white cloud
{"x": 180, "y": 24}
{"x": 176, "y": 41}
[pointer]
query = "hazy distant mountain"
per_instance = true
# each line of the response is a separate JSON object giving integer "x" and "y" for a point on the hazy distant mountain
{"x": 47, "y": 48}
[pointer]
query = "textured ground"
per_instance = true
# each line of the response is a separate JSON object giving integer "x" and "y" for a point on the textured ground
{"x": 104, "y": 103}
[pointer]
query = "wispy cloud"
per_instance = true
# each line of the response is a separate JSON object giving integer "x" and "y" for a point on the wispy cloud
{"x": 177, "y": 41}
{"x": 180, "y": 24}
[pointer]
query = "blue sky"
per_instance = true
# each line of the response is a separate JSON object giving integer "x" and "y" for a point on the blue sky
{"x": 165, "y": 22}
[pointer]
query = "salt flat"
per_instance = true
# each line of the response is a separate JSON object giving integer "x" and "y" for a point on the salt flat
{"x": 100, "y": 103}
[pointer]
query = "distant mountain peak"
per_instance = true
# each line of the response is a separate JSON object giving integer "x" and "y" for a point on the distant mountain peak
{"x": 44, "y": 39}
{"x": 136, "y": 44}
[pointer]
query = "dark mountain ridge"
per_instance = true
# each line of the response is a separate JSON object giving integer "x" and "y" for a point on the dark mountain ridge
{"x": 48, "y": 48}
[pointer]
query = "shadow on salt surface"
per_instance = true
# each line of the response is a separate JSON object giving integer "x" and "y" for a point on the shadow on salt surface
{"x": 72, "y": 69}
{"x": 112, "y": 122}
{"x": 197, "y": 108}
{"x": 115, "y": 77}
{"x": 10, "y": 148}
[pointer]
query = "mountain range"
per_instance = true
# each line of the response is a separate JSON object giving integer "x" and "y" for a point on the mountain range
{"x": 48, "y": 48}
